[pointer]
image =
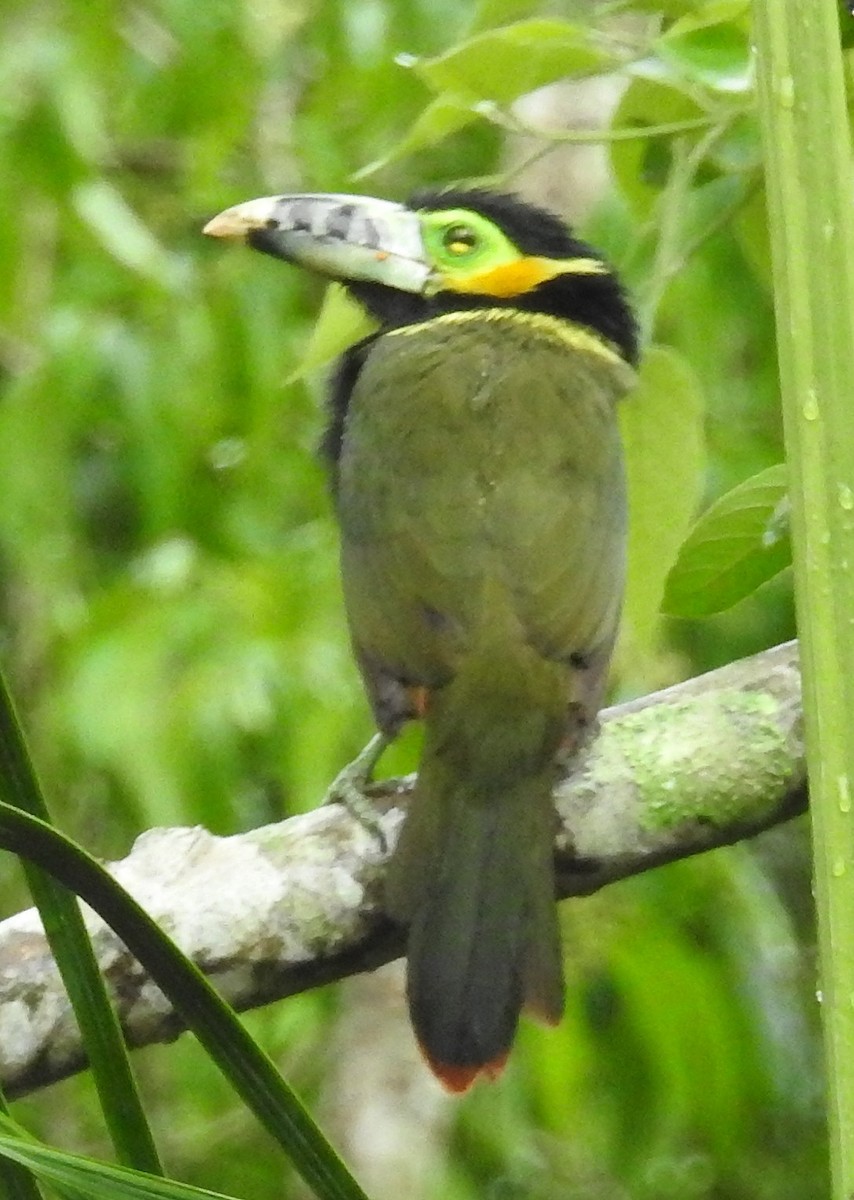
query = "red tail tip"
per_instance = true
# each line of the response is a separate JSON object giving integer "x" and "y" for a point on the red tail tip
{"x": 458, "y": 1079}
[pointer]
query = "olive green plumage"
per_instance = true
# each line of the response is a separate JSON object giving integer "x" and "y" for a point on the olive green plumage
{"x": 478, "y": 482}
{"x": 479, "y": 452}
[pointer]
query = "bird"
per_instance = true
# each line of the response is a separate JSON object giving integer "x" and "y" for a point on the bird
{"x": 477, "y": 477}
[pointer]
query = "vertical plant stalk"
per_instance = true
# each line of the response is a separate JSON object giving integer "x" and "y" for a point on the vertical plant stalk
{"x": 810, "y": 191}
{"x": 63, "y": 923}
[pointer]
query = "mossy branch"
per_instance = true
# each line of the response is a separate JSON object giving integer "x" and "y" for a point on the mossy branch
{"x": 290, "y": 906}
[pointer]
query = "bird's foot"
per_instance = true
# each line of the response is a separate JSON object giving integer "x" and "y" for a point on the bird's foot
{"x": 348, "y": 787}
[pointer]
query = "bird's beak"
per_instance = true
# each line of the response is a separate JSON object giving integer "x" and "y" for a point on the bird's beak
{"x": 348, "y": 238}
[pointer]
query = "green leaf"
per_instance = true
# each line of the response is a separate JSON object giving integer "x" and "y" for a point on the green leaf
{"x": 85, "y": 1177}
{"x": 751, "y": 230}
{"x": 444, "y": 115}
{"x": 196, "y": 1001}
{"x": 740, "y": 542}
{"x": 846, "y": 24}
{"x": 122, "y": 234}
{"x": 341, "y": 323}
{"x": 740, "y": 148}
{"x": 69, "y": 941}
{"x": 490, "y": 13}
{"x": 677, "y": 9}
{"x": 713, "y": 12}
{"x": 16, "y": 1182}
{"x": 717, "y": 56}
{"x": 642, "y": 165}
{"x": 706, "y": 206}
{"x": 502, "y": 64}
{"x": 662, "y": 429}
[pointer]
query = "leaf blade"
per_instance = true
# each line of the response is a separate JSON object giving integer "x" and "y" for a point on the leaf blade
{"x": 739, "y": 543}
{"x": 502, "y": 64}
{"x": 663, "y": 436}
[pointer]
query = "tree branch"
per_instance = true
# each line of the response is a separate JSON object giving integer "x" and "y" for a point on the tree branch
{"x": 289, "y": 906}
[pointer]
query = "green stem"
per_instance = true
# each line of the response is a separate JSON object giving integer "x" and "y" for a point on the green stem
{"x": 668, "y": 258}
{"x": 16, "y": 1181}
{"x": 809, "y": 185}
{"x": 63, "y": 923}
{"x": 584, "y": 137}
{"x": 194, "y": 999}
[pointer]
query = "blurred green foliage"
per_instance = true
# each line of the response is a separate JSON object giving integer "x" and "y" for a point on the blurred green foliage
{"x": 172, "y": 620}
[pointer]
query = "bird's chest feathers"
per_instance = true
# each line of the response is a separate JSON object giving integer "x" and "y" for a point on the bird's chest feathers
{"x": 422, "y": 379}
{"x": 476, "y": 394}
{"x": 476, "y": 464}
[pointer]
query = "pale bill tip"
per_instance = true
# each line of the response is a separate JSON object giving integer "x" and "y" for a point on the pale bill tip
{"x": 240, "y": 220}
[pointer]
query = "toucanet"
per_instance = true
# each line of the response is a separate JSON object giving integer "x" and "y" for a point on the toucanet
{"x": 477, "y": 476}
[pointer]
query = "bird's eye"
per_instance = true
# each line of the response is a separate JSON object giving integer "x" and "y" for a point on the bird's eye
{"x": 459, "y": 239}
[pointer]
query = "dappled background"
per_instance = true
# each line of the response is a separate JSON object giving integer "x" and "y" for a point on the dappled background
{"x": 171, "y": 614}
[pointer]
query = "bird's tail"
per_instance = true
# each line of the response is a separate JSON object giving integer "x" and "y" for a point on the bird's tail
{"x": 473, "y": 875}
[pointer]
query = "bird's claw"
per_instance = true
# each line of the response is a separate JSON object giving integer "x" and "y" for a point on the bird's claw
{"x": 348, "y": 787}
